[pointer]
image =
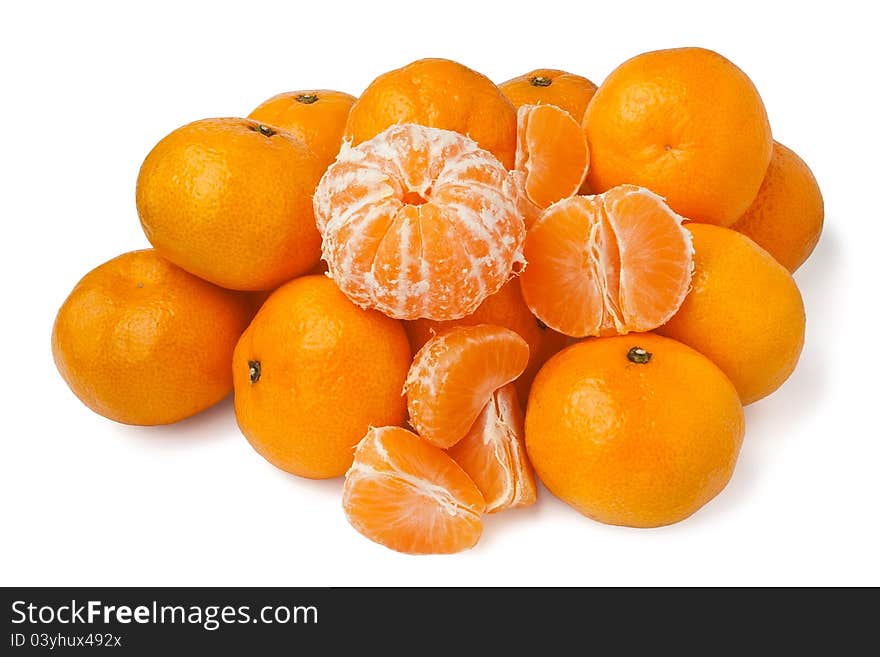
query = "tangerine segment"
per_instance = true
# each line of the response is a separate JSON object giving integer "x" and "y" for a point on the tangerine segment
{"x": 419, "y": 222}
{"x": 492, "y": 453}
{"x": 454, "y": 375}
{"x": 410, "y": 496}
{"x": 504, "y": 308}
{"x": 607, "y": 264}
{"x": 552, "y": 152}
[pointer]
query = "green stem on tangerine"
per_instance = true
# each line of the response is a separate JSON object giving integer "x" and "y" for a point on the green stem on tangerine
{"x": 307, "y": 99}
{"x": 638, "y": 355}
{"x": 540, "y": 81}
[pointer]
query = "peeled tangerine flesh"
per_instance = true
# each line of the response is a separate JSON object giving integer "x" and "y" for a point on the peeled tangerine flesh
{"x": 552, "y": 157}
{"x": 493, "y": 455}
{"x": 419, "y": 222}
{"x": 607, "y": 264}
{"x": 454, "y": 375}
{"x": 410, "y": 496}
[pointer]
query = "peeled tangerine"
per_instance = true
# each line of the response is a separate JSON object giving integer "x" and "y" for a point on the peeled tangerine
{"x": 419, "y": 222}
{"x": 461, "y": 396}
{"x": 411, "y": 496}
{"x": 607, "y": 264}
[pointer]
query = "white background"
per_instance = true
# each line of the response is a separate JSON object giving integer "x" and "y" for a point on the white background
{"x": 89, "y": 88}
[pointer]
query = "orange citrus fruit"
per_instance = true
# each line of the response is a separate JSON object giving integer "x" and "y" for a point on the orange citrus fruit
{"x": 635, "y": 430}
{"x": 141, "y": 341}
{"x": 607, "y": 264}
{"x": 493, "y": 454}
{"x": 786, "y": 217}
{"x": 312, "y": 372}
{"x": 453, "y": 376}
{"x": 685, "y": 123}
{"x": 551, "y": 155}
{"x": 441, "y": 94}
{"x": 504, "y": 308}
{"x": 316, "y": 117}
{"x": 550, "y": 86}
{"x": 410, "y": 496}
{"x": 419, "y": 222}
{"x": 744, "y": 312}
{"x": 229, "y": 200}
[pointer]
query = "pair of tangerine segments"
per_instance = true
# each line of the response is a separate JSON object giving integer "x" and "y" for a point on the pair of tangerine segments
{"x": 607, "y": 264}
{"x": 420, "y": 222}
{"x": 426, "y": 493}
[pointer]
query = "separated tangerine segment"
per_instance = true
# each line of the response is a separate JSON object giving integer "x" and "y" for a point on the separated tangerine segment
{"x": 454, "y": 376}
{"x": 493, "y": 454}
{"x": 419, "y": 222}
{"x": 607, "y": 264}
{"x": 410, "y": 496}
{"x": 552, "y": 157}
{"x": 504, "y": 308}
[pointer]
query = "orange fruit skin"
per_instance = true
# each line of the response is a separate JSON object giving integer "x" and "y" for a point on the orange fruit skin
{"x": 316, "y": 117}
{"x": 327, "y": 371}
{"x": 744, "y": 312}
{"x": 504, "y": 308}
{"x": 141, "y": 341}
{"x": 410, "y": 496}
{"x": 685, "y": 123}
{"x": 565, "y": 90}
{"x": 438, "y": 93}
{"x": 786, "y": 217}
{"x": 634, "y": 444}
{"x": 230, "y": 204}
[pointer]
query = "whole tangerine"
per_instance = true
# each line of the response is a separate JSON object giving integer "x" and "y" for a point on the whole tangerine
{"x": 744, "y": 312}
{"x": 230, "y": 200}
{"x": 550, "y": 86}
{"x": 636, "y": 430}
{"x": 786, "y": 217}
{"x": 437, "y": 93}
{"x": 141, "y": 341}
{"x": 687, "y": 124}
{"x": 313, "y": 372}
{"x": 316, "y": 117}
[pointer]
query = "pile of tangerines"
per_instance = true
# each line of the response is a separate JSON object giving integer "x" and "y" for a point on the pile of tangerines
{"x": 446, "y": 287}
